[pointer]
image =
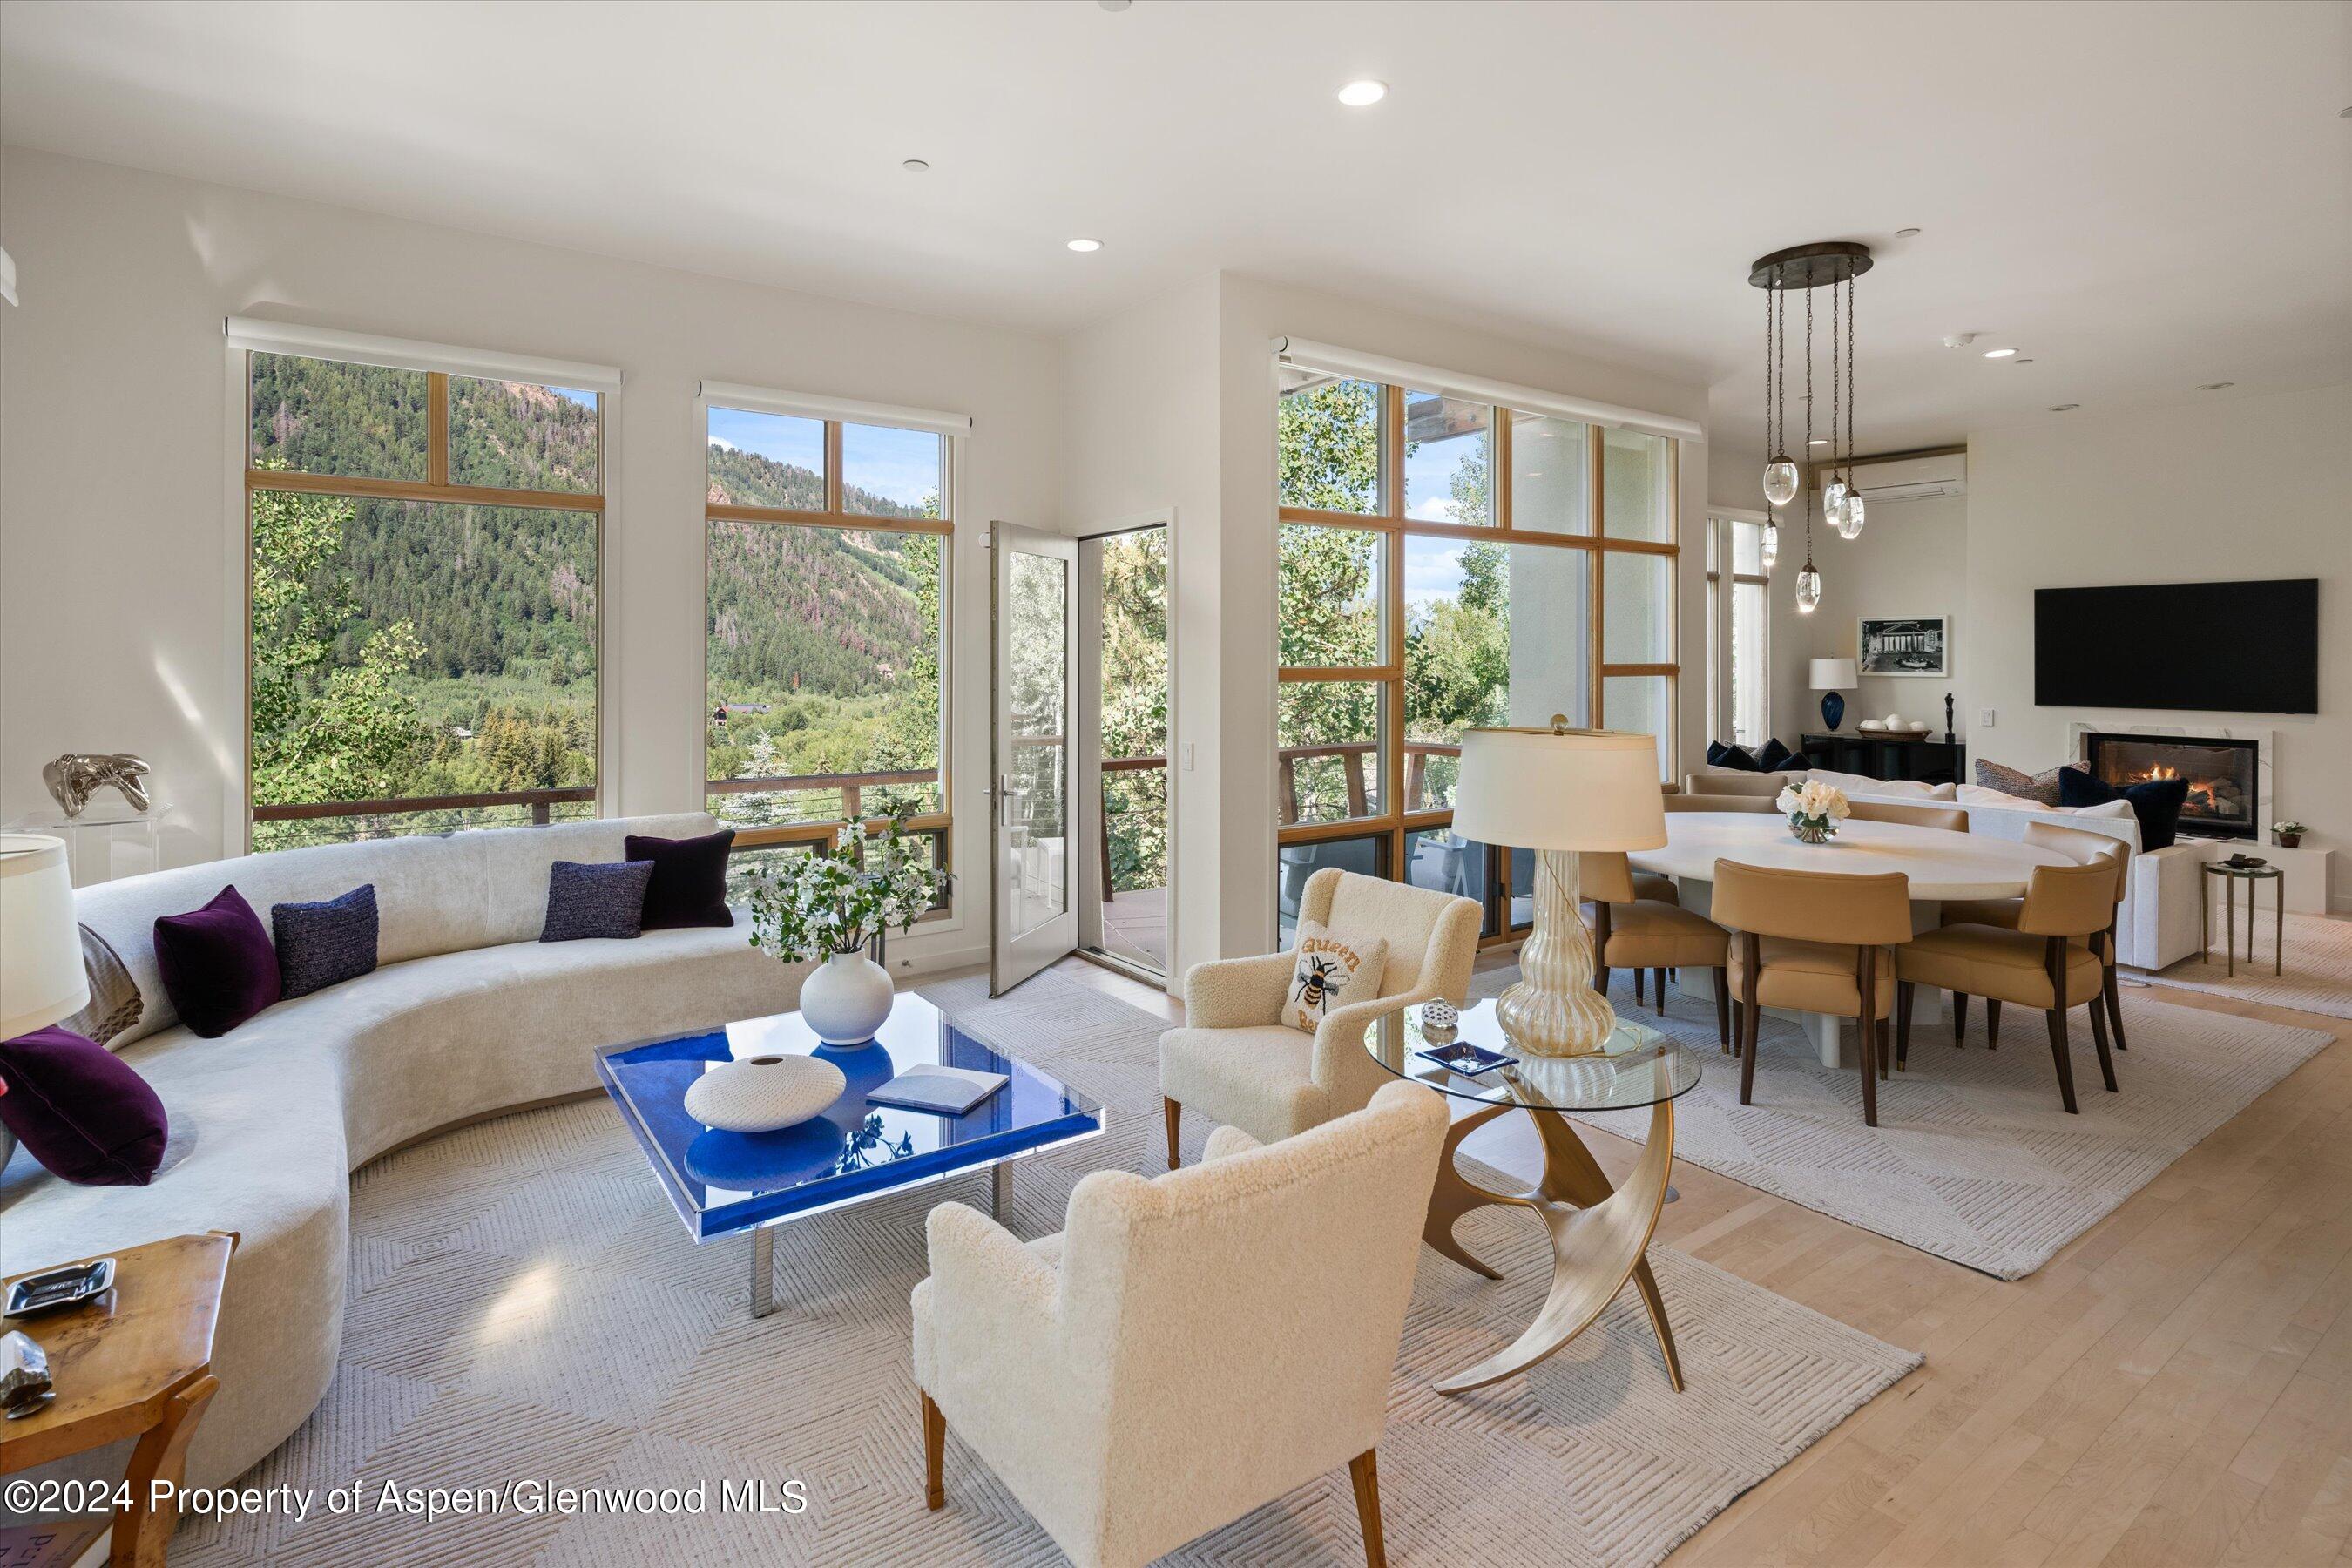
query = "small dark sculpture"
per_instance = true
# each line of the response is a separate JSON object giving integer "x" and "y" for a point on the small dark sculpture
{"x": 1948, "y": 719}
{"x": 75, "y": 777}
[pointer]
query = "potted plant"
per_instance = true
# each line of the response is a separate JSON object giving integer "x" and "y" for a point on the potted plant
{"x": 2287, "y": 834}
{"x": 829, "y": 904}
{"x": 1815, "y": 810}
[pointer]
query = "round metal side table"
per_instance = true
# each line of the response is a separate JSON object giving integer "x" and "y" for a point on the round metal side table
{"x": 1599, "y": 1232}
{"x": 2254, "y": 877}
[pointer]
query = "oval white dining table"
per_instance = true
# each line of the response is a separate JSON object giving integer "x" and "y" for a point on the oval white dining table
{"x": 1941, "y": 863}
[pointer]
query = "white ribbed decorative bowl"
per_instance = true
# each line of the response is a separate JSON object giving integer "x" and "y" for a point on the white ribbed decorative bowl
{"x": 762, "y": 1094}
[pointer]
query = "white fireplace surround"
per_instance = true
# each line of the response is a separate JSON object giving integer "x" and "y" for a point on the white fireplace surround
{"x": 2271, "y": 808}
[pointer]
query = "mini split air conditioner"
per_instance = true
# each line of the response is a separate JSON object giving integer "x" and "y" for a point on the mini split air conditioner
{"x": 1905, "y": 478}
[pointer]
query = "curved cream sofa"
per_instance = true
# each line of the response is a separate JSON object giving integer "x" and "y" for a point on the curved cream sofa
{"x": 468, "y": 1013}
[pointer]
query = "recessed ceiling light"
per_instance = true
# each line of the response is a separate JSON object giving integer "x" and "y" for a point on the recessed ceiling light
{"x": 914, "y": 165}
{"x": 2217, "y": 386}
{"x": 1818, "y": 441}
{"x": 1998, "y": 353}
{"x": 2063, "y": 407}
{"x": 1086, "y": 245}
{"x": 1906, "y": 234}
{"x": 1363, "y": 94}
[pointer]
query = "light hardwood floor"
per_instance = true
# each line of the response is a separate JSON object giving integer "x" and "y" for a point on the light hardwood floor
{"x": 2173, "y": 1388}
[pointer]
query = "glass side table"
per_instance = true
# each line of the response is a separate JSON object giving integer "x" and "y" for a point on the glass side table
{"x": 1599, "y": 1232}
{"x": 2254, "y": 877}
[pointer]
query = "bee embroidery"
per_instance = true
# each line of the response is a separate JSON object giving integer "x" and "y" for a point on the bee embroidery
{"x": 1316, "y": 986}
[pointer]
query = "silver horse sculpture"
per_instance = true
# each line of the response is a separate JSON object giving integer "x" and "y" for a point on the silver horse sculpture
{"x": 74, "y": 778}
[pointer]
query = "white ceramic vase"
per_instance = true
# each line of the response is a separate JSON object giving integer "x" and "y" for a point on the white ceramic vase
{"x": 845, "y": 999}
{"x": 763, "y": 1094}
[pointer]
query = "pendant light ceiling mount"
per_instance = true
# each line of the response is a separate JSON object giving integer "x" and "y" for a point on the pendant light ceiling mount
{"x": 1833, "y": 264}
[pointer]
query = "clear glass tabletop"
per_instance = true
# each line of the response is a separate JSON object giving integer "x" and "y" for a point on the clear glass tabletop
{"x": 2223, "y": 869}
{"x": 1639, "y": 1065}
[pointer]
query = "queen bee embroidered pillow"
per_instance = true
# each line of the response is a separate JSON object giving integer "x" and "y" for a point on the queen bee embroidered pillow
{"x": 1329, "y": 970}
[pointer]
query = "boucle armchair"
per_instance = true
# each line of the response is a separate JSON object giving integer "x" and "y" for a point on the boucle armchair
{"x": 1194, "y": 1345}
{"x": 1236, "y": 1062}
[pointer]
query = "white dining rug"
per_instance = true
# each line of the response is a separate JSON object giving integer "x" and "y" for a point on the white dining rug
{"x": 1974, "y": 1157}
{"x": 523, "y": 1304}
{"x": 2318, "y": 964}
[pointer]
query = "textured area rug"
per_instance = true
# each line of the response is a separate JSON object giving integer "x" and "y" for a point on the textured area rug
{"x": 1974, "y": 1158}
{"x": 524, "y": 1306}
{"x": 2318, "y": 977}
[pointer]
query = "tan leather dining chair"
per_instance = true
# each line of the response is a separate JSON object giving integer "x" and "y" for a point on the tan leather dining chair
{"x": 2039, "y": 965}
{"x": 1814, "y": 941}
{"x": 2083, "y": 846}
{"x": 1950, "y": 818}
{"x": 1630, "y": 931}
{"x": 1765, "y": 785}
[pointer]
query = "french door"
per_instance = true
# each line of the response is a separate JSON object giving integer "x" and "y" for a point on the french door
{"x": 1033, "y": 677}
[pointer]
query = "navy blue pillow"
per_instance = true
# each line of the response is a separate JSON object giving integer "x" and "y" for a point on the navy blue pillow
{"x": 2157, "y": 802}
{"x": 1723, "y": 755}
{"x": 599, "y": 901}
{"x": 325, "y": 943}
{"x": 1779, "y": 759}
{"x": 689, "y": 880}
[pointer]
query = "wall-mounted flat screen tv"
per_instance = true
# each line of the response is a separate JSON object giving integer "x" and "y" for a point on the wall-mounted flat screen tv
{"x": 2245, "y": 647}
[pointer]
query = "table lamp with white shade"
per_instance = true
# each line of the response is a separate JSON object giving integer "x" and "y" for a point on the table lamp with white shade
{"x": 41, "y": 974}
{"x": 1832, "y": 677}
{"x": 1558, "y": 791}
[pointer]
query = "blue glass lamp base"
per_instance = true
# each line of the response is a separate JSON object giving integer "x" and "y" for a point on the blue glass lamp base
{"x": 1833, "y": 709}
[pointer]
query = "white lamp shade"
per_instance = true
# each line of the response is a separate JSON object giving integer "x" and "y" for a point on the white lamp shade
{"x": 1542, "y": 789}
{"x": 41, "y": 976}
{"x": 1833, "y": 674}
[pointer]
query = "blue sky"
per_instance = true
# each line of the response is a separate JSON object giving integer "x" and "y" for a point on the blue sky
{"x": 902, "y": 466}
{"x": 1429, "y": 476}
{"x": 585, "y": 399}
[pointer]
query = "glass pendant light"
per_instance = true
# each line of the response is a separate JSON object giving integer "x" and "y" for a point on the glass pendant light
{"x": 1779, "y": 481}
{"x": 1848, "y": 516}
{"x": 1809, "y": 590}
{"x": 1767, "y": 549}
{"x": 1850, "y": 519}
{"x": 1833, "y": 496}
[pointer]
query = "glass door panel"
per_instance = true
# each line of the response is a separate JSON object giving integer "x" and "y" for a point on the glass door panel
{"x": 1035, "y": 667}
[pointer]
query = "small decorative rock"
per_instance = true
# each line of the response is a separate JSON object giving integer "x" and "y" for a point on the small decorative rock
{"x": 763, "y": 1094}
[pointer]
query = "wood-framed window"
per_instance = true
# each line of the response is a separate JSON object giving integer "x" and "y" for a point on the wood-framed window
{"x": 424, "y": 563}
{"x": 1738, "y": 634}
{"x": 1447, "y": 565}
{"x": 828, "y": 552}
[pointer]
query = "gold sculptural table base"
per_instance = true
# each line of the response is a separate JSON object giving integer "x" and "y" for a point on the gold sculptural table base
{"x": 1599, "y": 1235}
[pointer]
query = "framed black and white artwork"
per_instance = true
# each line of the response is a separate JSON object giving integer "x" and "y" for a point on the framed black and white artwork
{"x": 1912, "y": 645}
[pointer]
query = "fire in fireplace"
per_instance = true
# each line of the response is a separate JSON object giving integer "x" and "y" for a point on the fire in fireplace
{"x": 2224, "y": 789}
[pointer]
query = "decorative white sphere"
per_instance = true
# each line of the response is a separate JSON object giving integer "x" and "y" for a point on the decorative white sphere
{"x": 762, "y": 1094}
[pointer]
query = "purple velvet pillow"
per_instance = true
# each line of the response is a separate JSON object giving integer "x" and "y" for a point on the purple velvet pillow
{"x": 689, "y": 880}
{"x": 82, "y": 1110}
{"x": 218, "y": 966}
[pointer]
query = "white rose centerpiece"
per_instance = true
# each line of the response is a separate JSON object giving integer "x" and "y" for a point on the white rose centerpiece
{"x": 1814, "y": 810}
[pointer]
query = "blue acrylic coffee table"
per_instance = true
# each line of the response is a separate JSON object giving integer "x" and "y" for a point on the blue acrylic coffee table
{"x": 722, "y": 1182}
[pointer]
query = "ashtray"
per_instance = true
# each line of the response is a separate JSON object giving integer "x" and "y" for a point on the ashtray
{"x": 55, "y": 1287}
{"x": 2246, "y": 862}
{"x": 1467, "y": 1059}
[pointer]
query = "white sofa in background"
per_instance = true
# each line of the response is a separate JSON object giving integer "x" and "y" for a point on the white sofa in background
{"x": 468, "y": 1015}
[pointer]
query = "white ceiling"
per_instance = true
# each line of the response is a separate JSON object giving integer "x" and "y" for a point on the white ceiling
{"x": 2141, "y": 197}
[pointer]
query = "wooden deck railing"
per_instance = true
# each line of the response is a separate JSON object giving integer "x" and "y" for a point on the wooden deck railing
{"x": 540, "y": 801}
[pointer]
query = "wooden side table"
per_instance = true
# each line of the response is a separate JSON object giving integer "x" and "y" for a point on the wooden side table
{"x": 134, "y": 1362}
{"x": 2254, "y": 877}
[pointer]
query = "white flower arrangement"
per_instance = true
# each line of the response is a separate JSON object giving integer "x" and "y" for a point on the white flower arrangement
{"x": 1814, "y": 810}
{"x": 837, "y": 900}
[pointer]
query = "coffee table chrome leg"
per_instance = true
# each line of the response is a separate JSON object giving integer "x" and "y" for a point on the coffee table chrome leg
{"x": 1000, "y": 1190}
{"x": 763, "y": 1270}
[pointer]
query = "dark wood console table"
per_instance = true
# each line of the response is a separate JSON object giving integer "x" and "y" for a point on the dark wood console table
{"x": 1880, "y": 756}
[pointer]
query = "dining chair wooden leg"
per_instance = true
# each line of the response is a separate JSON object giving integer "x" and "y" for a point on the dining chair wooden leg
{"x": 1749, "y": 1013}
{"x": 1866, "y": 1032}
{"x": 935, "y": 1441}
{"x": 1883, "y": 1029}
{"x": 1600, "y": 979}
{"x": 1722, "y": 1009}
{"x": 1637, "y": 982}
{"x": 1173, "y": 1114}
{"x": 1364, "y": 1471}
{"x": 2113, "y": 997}
{"x": 1960, "y": 1019}
{"x": 2058, "y": 1053}
{"x": 1903, "y": 989}
{"x": 1993, "y": 1025}
{"x": 2099, "y": 1039}
{"x": 1658, "y": 982}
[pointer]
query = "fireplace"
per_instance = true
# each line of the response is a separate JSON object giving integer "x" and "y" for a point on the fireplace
{"x": 2224, "y": 789}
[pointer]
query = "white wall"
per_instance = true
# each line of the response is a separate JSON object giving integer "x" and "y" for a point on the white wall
{"x": 120, "y": 555}
{"x": 1910, "y": 559}
{"x": 2226, "y": 487}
